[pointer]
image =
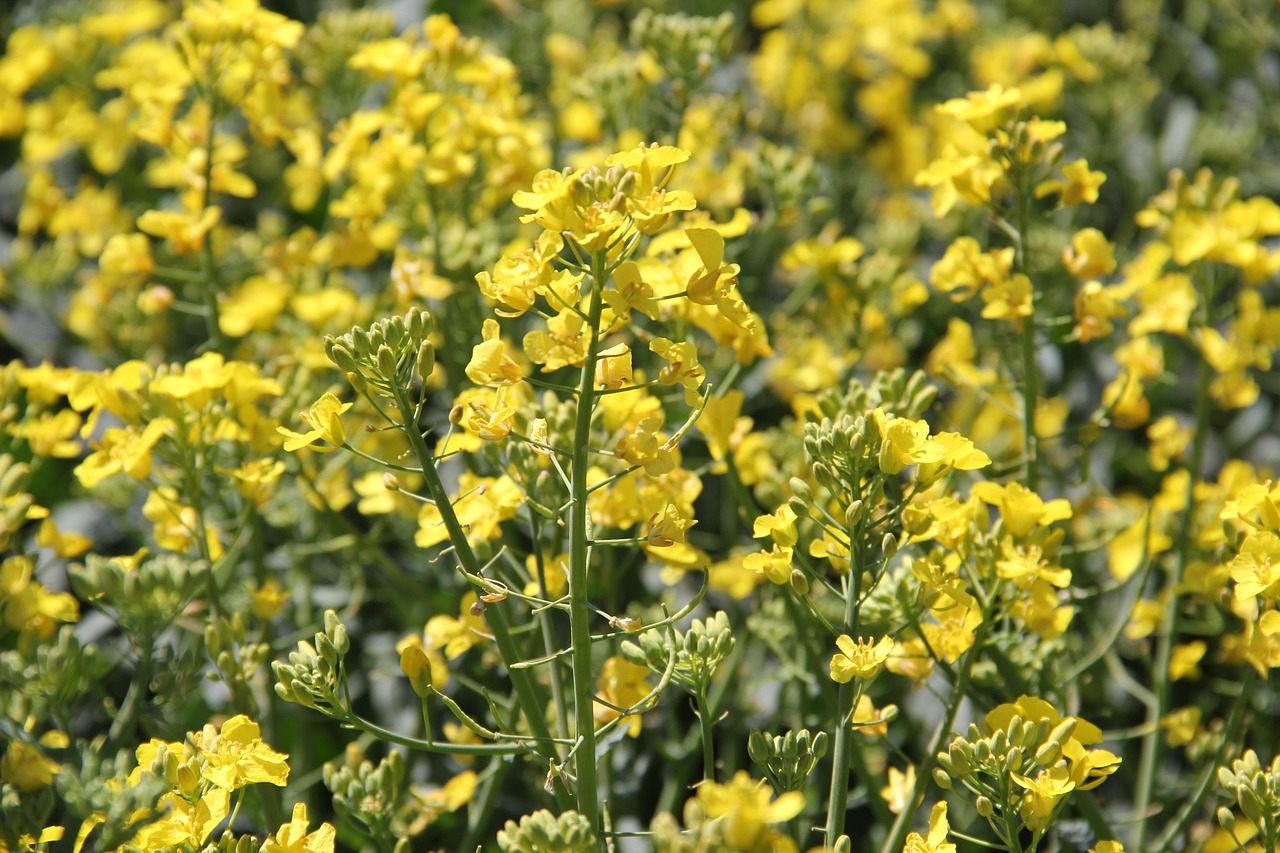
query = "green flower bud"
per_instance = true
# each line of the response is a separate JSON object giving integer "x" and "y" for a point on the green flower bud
{"x": 941, "y": 778}
{"x": 984, "y": 806}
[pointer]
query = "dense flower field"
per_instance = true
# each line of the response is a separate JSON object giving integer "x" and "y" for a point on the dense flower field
{"x": 793, "y": 425}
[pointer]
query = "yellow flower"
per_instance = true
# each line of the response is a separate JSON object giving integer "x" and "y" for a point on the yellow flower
{"x": 904, "y": 442}
{"x": 1043, "y": 794}
{"x": 1108, "y": 847}
{"x": 746, "y": 809}
{"x": 454, "y": 635}
{"x": 613, "y": 367}
{"x": 1089, "y": 255}
{"x": 781, "y": 526}
{"x": 983, "y": 110}
{"x": 564, "y": 344}
{"x": 1078, "y": 184}
{"x": 682, "y": 367}
{"x": 26, "y": 605}
{"x": 667, "y": 527}
{"x": 1256, "y": 568}
{"x": 776, "y": 564}
{"x": 324, "y": 418}
{"x": 122, "y": 451}
{"x": 267, "y": 600}
{"x": 1020, "y": 508}
{"x": 1184, "y": 662}
{"x": 185, "y": 231}
{"x": 859, "y": 660}
{"x": 26, "y": 767}
{"x": 490, "y": 364}
{"x": 237, "y": 756}
{"x": 293, "y": 837}
{"x": 899, "y": 789}
{"x": 421, "y": 664}
{"x": 936, "y": 842}
{"x": 622, "y": 684}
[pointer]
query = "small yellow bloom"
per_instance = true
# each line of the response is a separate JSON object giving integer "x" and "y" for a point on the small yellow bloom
{"x": 904, "y": 442}
{"x": 746, "y": 808}
{"x": 293, "y": 837}
{"x": 237, "y": 756}
{"x": 325, "y": 419}
{"x": 859, "y": 660}
{"x": 936, "y": 842}
{"x": 1043, "y": 793}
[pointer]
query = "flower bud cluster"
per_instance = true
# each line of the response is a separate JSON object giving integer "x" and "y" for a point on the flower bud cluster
{"x": 687, "y": 46}
{"x": 570, "y": 832}
{"x": 1025, "y": 769}
{"x": 313, "y": 676}
{"x": 15, "y": 501}
{"x": 393, "y": 353}
{"x": 238, "y": 662}
{"x": 145, "y": 598}
{"x": 787, "y": 759}
{"x": 1256, "y": 790}
{"x": 370, "y": 794}
{"x": 698, "y": 653}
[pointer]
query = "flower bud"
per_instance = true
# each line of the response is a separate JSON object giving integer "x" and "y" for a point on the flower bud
{"x": 426, "y": 359}
{"x": 941, "y": 778}
{"x": 984, "y": 806}
{"x": 387, "y": 363}
{"x": 799, "y": 582}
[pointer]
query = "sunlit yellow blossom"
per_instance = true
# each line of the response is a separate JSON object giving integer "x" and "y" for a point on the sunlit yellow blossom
{"x": 490, "y": 364}
{"x": 28, "y": 606}
{"x": 63, "y": 543}
{"x": 1079, "y": 185}
{"x": 746, "y": 808}
{"x": 1043, "y": 794}
{"x": 983, "y": 110}
{"x": 647, "y": 446}
{"x": 936, "y": 841}
{"x": 325, "y": 419}
{"x": 622, "y": 684}
{"x": 613, "y": 367}
{"x": 667, "y": 527}
{"x": 904, "y": 442}
{"x": 682, "y": 366}
{"x": 898, "y": 792}
{"x": 26, "y": 767}
{"x": 564, "y": 344}
{"x": 861, "y": 659}
{"x": 185, "y": 231}
{"x": 780, "y": 525}
{"x": 1089, "y": 255}
{"x": 1184, "y": 661}
{"x": 122, "y": 451}
{"x": 1256, "y": 567}
{"x": 237, "y": 756}
{"x": 1020, "y": 508}
{"x": 454, "y": 635}
{"x": 293, "y": 837}
{"x": 268, "y": 599}
{"x": 50, "y": 434}
{"x": 775, "y": 564}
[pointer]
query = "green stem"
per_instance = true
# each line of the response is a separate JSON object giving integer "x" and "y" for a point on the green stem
{"x": 208, "y": 263}
{"x": 1030, "y": 372}
{"x": 1209, "y": 774}
{"x": 526, "y": 693}
{"x": 706, "y": 722}
{"x": 1151, "y": 739}
{"x": 579, "y": 557}
{"x": 132, "y": 704}
{"x": 838, "y": 804}
{"x": 924, "y": 772}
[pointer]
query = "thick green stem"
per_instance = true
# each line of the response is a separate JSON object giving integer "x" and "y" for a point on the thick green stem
{"x": 838, "y": 802}
{"x": 526, "y": 691}
{"x": 1151, "y": 739}
{"x": 132, "y": 705}
{"x": 924, "y": 772}
{"x": 588, "y": 795}
{"x": 1030, "y": 371}
{"x": 706, "y": 723}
